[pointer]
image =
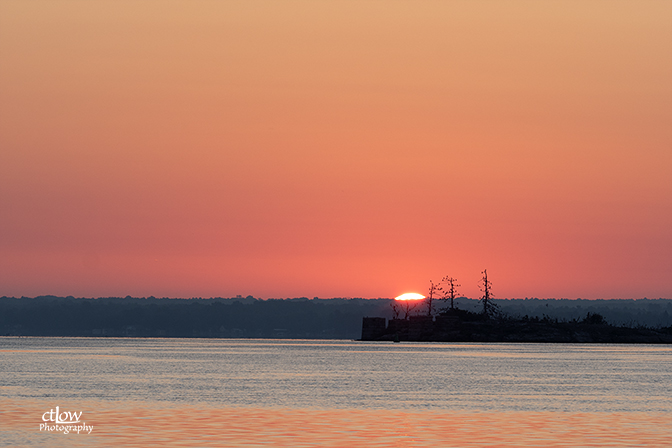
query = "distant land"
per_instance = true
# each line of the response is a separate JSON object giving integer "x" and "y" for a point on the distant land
{"x": 250, "y": 317}
{"x": 464, "y": 326}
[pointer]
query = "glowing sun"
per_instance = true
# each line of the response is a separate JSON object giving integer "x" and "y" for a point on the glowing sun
{"x": 410, "y": 296}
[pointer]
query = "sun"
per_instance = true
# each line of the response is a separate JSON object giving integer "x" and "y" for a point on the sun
{"x": 410, "y": 296}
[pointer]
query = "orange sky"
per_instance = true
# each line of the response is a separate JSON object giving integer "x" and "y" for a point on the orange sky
{"x": 336, "y": 148}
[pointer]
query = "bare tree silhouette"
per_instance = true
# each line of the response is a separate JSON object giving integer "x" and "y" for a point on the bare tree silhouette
{"x": 405, "y": 306}
{"x": 395, "y": 309}
{"x": 433, "y": 290}
{"x": 450, "y": 290}
{"x": 485, "y": 285}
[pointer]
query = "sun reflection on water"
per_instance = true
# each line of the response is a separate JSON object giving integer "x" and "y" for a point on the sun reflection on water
{"x": 240, "y": 393}
{"x": 136, "y": 424}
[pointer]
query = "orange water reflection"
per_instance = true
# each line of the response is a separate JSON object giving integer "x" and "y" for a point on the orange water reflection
{"x": 135, "y": 424}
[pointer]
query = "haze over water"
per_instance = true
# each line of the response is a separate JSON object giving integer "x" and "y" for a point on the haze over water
{"x": 196, "y": 392}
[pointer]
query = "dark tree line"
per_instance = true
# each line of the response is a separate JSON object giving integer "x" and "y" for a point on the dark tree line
{"x": 292, "y": 318}
{"x": 288, "y": 318}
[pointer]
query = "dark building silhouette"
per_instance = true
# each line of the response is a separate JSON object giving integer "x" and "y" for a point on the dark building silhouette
{"x": 373, "y": 328}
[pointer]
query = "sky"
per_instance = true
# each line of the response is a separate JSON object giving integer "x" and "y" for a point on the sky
{"x": 335, "y": 148}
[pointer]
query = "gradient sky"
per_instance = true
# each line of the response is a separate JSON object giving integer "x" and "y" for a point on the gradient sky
{"x": 335, "y": 148}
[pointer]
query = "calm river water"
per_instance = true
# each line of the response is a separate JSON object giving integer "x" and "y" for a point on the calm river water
{"x": 302, "y": 393}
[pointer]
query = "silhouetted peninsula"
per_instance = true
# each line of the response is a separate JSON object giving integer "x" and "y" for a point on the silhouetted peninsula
{"x": 456, "y": 325}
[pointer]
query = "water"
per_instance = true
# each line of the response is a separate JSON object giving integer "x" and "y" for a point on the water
{"x": 227, "y": 392}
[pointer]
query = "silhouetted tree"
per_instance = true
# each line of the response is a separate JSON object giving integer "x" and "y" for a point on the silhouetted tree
{"x": 594, "y": 318}
{"x": 489, "y": 308}
{"x": 450, "y": 290}
{"x": 395, "y": 309}
{"x": 405, "y": 306}
{"x": 433, "y": 290}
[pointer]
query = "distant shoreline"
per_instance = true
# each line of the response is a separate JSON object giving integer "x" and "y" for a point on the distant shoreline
{"x": 640, "y": 342}
{"x": 300, "y": 318}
